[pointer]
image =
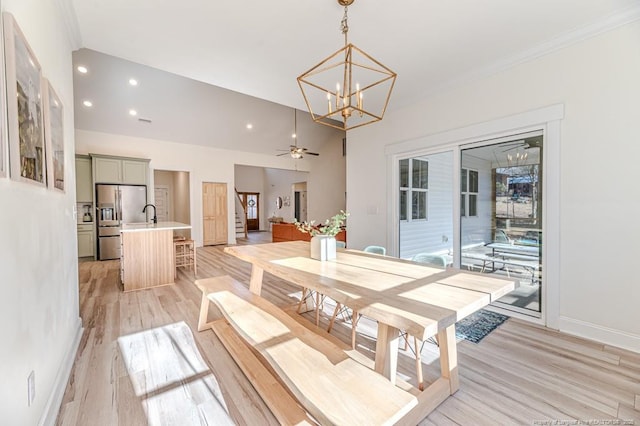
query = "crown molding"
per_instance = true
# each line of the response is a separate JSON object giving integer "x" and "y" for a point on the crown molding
{"x": 608, "y": 23}
{"x": 68, "y": 16}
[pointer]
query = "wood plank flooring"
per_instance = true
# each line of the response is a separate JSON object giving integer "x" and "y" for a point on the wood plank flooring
{"x": 519, "y": 374}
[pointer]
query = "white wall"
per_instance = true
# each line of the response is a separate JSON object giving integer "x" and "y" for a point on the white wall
{"x": 39, "y": 314}
{"x": 330, "y": 184}
{"x": 597, "y": 81}
{"x": 206, "y": 164}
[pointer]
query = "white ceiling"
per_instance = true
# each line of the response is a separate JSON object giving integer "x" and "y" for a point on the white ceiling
{"x": 259, "y": 47}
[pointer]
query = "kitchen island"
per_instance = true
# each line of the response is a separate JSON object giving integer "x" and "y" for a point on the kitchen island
{"x": 147, "y": 258}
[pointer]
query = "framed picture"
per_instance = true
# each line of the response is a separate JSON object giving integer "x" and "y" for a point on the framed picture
{"x": 53, "y": 136}
{"x": 24, "y": 107}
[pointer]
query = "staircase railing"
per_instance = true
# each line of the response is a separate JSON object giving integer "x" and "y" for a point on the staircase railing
{"x": 243, "y": 208}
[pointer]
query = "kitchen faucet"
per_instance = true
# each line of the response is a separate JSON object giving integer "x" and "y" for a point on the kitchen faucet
{"x": 155, "y": 218}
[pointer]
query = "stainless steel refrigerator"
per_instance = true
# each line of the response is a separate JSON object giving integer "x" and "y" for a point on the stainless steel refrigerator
{"x": 117, "y": 204}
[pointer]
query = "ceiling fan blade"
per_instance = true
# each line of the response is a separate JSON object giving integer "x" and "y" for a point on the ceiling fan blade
{"x": 284, "y": 153}
{"x": 524, "y": 145}
{"x": 312, "y": 153}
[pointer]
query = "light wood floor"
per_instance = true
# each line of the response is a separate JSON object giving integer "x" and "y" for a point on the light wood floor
{"x": 519, "y": 374}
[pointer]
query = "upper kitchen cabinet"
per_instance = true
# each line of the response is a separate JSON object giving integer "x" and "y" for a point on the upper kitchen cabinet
{"x": 135, "y": 172}
{"x": 106, "y": 169}
{"x": 84, "y": 192}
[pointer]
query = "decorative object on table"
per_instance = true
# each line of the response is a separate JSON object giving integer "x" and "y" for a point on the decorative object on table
{"x": 478, "y": 325}
{"x": 323, "y": 237}
{"x": 334, "y": 90}
{"x": 54, "y": 136}
{"x": 24, "y": 108}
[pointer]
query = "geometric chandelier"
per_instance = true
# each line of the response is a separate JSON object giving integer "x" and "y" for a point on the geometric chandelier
{"x": 349, "y": 88}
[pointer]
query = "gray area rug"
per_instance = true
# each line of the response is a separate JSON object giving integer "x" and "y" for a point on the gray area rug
{"x": 478, "y": 325}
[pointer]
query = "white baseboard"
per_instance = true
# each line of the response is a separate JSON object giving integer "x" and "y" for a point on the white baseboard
{"x": 50, "y": 414}
{"x": 609, "y": 336}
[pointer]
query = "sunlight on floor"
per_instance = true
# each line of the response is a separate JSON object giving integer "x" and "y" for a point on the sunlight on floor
{"x": 170, "y": 378}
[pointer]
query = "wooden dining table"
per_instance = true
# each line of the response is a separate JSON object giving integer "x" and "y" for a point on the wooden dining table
{"x": 416, "y": 298}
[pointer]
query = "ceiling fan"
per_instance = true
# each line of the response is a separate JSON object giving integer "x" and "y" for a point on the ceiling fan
{"x": 524, "y": 143}
{"x": 294, "y": 150}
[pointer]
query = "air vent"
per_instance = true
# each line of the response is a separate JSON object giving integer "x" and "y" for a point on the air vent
{"x": 145, "y": 120}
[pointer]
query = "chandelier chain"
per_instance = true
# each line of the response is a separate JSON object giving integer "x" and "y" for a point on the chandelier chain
{"x": 344, "y": 25}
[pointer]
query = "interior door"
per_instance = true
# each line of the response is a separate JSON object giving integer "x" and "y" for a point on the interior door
{"x": 252, "y": 201}
{"x": 214, "y": 212}
{"x": 161, "y": 196}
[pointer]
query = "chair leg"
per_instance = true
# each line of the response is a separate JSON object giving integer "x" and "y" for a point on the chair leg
{"x": 355, "y": 317}
{"x": 333, "y": 317}
{"x": 195, "y": 266}
{"x": 418, "y": 363}
{"x": 317, "y": 309}
{"x": 406, "y": 340}
{"x": 302, "y": 299}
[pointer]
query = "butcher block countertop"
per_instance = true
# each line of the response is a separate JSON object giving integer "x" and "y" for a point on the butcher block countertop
{"x": 135, "y": 227}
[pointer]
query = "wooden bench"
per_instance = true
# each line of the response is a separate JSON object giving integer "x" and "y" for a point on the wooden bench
{"x": 325, "y": 381}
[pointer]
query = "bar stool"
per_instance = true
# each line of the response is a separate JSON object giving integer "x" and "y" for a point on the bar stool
{"x": 185, "y": 254}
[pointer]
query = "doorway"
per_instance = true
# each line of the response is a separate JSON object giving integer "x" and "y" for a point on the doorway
{"x": 500, "y": 212}
{"x": 501, "y": 205}
{"x": 252, "y": 201}
{"x": 300, "y": 201}
{"x": 171, "y": 189}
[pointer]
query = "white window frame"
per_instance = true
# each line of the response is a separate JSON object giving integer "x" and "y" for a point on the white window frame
{"x": 409, "y": 190}
{"x": 464, "y": 209}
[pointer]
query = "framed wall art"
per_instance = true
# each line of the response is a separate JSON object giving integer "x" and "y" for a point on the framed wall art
{"x": 24, "y": 107}
{"x": 53, "y": 136}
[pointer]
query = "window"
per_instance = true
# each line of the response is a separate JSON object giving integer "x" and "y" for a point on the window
{"x": 469, "y": 193}
{"x": 414, "y": 183}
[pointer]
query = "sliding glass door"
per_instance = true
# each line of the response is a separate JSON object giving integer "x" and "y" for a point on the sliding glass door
{"x": 500, "y": 213}
{"x": 501, "y": 216}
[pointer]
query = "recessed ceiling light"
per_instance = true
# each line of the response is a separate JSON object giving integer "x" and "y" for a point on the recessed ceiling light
{"x": 249, "y": 126}
{"x": 87, "y": 103}
{"x": 133, "y": 112}
{"x": 82, "y": 69}
{"x": 133, "y": 82}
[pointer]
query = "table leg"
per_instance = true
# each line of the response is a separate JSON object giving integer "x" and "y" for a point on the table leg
{"x": 204, "y": 312}
{"x": 387, "y": 351}
{"x": 449, "y": 357}
{"x": 255, "y": 284}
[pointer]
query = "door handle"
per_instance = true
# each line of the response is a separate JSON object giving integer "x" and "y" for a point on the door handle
{"x": 116, "y": 212}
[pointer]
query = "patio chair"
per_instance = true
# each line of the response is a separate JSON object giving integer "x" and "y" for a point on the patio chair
{"x": 432, "y": 259}
{"x": 375, "y": 249}
{"x": 501, "y": 237}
